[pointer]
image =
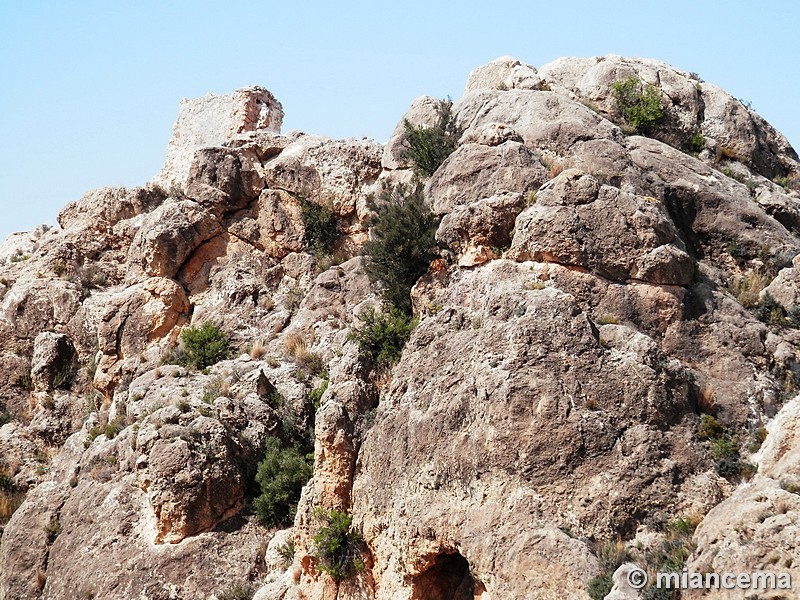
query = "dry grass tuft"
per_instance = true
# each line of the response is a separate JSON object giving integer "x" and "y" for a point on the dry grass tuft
{"x": 746, "y": 288}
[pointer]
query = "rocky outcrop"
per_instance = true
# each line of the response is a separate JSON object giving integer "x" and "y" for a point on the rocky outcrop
{"x": 594, "y": 294}
{"x": 212, "y": 120}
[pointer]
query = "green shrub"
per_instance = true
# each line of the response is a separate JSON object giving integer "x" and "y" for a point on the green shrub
{"x": 770, "y": 310}
{"x": 599, "y": 587}
{"x": 710, "y": 428}
{"x": 336, "y": 545}
{"x": 286, "y": 552}
{"x": 428, "y": 147}
{"x": 384, "y": 334}
{"x": 402, "y": 244}
{"x": 320, "y": 226}
{"x": 281, "y": 475}
{"x": 204, "y": 346}
{"x": 697, "y": 142}
{"x": 639, "y": 104}
{"x": 316, "y": 394}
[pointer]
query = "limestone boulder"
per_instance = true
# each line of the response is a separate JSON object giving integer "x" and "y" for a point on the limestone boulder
{"x": 690, "y": 105}
{"x": 475, "y": 172}
{"x": 785, "y": 288}
{"x": 336, "y": 173}
{"x": 488, "y": 222}
{"x": 504, "y": 73}
{"x": 619, "y": 236}
{"x": 543, "y": 119}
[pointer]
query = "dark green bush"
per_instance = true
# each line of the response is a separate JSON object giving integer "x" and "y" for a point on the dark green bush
{"x": 639, "y": 104}
{"x": 281, "y": 475}
{"x": 320, "y": 226}
{"x": 402, "y": 244}
{"x": 204, "y": 346}
{"x": 599, "y": 587}
{"x": 384, "y": 335}
{"x": 428, "y": 147}
{"x": 771, "y": 311}
{"x": 336, "y": 545}
{"x": 697, "y": 142}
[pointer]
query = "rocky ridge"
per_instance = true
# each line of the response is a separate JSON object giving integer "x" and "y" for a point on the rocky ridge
{"x": 597, "y": 291}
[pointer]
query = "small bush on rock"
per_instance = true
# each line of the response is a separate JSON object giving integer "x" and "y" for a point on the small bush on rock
{"x": 403, "y": 243}
{"x": 320, "y": 225}
{"x": 204, "y": 346}
{"x": 336, "y": 545}
{"x": 600, "y": 586}
{"x": 281, "y": 475}
{"x": 639, "y": 104}
{"x": 384, "y": 334}
{"x": 428, "y": 147}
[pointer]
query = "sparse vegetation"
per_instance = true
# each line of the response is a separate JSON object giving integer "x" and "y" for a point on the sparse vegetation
{"x": 281, "y": 475}
{"x": 428, "y": 147}
{"x": 747, "y": 288}
{"x": 402, "y": 244}
{"x": 639, "y": 103}
{"x": 669, "y": 556}
{"x": 52, "y": 529}
{"x": 383, "y": 335}
{"x": 336, "y": 545}
{"x": 608, "y": 320}
{"x": 611, "y": 554}
{"x": 238, "y": 591}
{"x": 723, "y": 445}
{"x": 204, "y": 346}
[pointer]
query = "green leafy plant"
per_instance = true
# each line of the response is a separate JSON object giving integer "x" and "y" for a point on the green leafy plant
{"x": 428, "y": 147}
{"x": 697, "y": 141}
{"x": 204, "y": 346}
{"x": 639, "y": 104}
{"x": 286, "y": 552}
{"x": 320, "y": 226}
{"x": 316, "y": 394}
{"x": 281, "y": 475}
{"x": 383, "y": 335}
{"x": 599, "y": 587}
{"x": 402, "y": 244}
{"x": 336, "y": 545}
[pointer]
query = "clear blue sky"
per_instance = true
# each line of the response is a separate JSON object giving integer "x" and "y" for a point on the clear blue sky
{"x": 90, "y": 89}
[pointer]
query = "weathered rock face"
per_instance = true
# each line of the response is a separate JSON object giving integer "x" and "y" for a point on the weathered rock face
{"x": 594, "y": 294}
{"x": 523, "y": 394}
{"x": 53, "y": 361}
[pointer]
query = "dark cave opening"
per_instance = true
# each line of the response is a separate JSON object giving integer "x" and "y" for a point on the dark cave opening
{"x": 448, "y": 578}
